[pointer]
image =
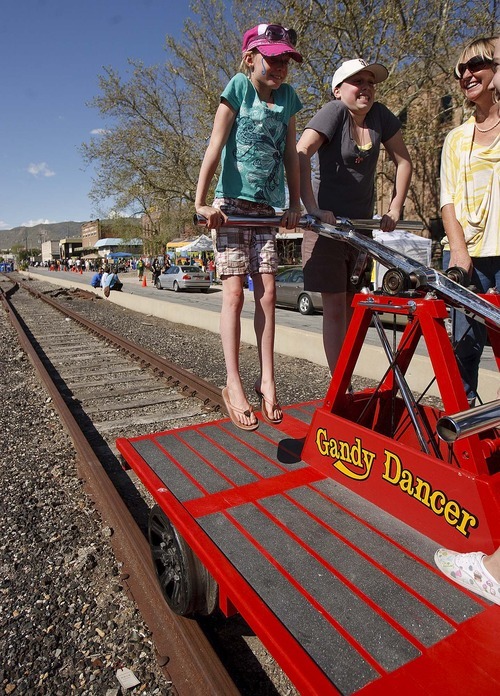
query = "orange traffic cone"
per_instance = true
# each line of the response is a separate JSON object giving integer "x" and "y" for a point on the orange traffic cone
{"x": 144, "y": 281}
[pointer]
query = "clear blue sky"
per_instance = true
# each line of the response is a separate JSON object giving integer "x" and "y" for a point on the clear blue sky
{"x": 51, "y": 54}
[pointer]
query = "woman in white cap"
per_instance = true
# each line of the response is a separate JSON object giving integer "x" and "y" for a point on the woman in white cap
{"x": 347, "y": 134}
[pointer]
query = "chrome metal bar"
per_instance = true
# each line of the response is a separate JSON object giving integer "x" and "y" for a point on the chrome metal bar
{"x": 373, "y": 224}
{"x": 470, "y": 422}
{"x": 307, "y": 221}
{"x": 451, "y": 292}
{"x": 410, "y": 307}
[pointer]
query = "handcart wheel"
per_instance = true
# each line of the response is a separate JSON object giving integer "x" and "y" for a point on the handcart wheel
{"x": 459, "y": 275}
{"x": 395, "y": 281}
{"x": 187, "y": 586}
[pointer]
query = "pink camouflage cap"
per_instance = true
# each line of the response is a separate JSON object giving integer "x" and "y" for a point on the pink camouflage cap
{"x": 271, "y": 40}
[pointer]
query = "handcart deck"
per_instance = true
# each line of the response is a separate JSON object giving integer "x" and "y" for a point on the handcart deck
{"x": 344, "y": 595}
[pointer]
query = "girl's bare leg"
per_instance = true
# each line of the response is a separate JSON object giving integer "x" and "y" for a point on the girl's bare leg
{"x": 264, "y": 324}
{"x": 230, "y": 332}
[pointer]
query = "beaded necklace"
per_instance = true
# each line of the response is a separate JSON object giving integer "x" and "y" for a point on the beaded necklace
{"x": 487, "y": 130}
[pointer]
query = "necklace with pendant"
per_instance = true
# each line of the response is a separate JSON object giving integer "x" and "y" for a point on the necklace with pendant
{"x": 360, "y": 148}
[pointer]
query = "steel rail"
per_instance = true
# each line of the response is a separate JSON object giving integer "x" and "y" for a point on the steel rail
{"x": 187, "y": 382}
{"x": 193, "y": 666}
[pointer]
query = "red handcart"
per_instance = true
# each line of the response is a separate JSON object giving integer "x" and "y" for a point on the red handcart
{"x": 321, "y": 531}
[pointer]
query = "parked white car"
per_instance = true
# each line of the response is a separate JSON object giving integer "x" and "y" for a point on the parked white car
{"x": 179, "y": 278}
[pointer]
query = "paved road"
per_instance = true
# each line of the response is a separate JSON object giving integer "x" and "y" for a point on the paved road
{"x": 296, "y": 335}
{"x": 211, "y": 301}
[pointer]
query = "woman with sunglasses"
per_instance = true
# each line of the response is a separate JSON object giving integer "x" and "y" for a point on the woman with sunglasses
{"x": 470, "y": 198}
{"x": 254, "y": 137}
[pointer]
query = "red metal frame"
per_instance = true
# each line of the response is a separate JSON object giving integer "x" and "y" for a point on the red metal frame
{"x": 452, "y": 494}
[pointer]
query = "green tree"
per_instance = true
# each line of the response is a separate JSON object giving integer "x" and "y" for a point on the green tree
{"x": 144, "y": 159}
{"x": 159, "y": 120}
{"x": 23, "y": 255}
{"x": 417, "y": 40}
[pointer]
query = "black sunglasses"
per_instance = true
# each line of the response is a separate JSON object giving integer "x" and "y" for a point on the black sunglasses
{"x": 473, "y": 65}
{"x": 275, "y": 32}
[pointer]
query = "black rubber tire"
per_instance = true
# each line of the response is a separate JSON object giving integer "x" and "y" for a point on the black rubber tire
{"x": 158, "y": 284}
{"x": 176, "y": 287}
{"x": 304, "y": 304}
{"x": 187, "y": 586}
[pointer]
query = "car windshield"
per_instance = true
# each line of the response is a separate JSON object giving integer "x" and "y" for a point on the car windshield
{"x": 191, "y": 269}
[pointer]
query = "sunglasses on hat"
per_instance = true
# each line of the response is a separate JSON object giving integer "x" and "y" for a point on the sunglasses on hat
{"x": 473, "y": 65}
{"x": 275, "y": 32}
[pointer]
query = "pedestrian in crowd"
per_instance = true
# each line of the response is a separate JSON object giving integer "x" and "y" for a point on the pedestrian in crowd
{"x": 155, "y": 269}
{"x": 112, "y": 282}
{"x": 211, "y": 269}
{"x": 96, "y": 279}
{"x": 105, "y": 273}
{"x": 254, "y": 136}
{"x": 470, "y": 198}
{"x": 346, "y": 134}
{"x": 140, "y": 268}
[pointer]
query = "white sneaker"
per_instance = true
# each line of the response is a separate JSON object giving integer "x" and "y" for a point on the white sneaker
{"x": 467, "y": 569}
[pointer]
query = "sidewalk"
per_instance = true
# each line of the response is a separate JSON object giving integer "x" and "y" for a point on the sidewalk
{"x": 297, "y": 336}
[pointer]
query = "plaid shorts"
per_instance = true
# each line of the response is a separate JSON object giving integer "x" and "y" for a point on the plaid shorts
{"x": 245, "y": 250}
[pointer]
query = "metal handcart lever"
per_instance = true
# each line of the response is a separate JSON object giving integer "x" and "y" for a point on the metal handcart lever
{"x": 404, "y": 272}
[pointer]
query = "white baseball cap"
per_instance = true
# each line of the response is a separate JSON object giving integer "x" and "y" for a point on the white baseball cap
{"x": 351, "y": 67}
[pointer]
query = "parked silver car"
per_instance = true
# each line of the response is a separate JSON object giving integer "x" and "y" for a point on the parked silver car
{"x": 290, "y": 292}
{"x": 179, "y": 278}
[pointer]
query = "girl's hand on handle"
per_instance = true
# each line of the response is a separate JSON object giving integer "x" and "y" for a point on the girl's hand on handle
{"x": 291, "y": 218}
{"x": 214, "y": 217}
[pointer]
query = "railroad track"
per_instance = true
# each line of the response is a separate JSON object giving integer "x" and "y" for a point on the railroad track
{"x": 101, "y": 383}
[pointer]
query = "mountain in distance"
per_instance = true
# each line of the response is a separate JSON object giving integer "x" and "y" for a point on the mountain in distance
{"x": 32, "y": 237}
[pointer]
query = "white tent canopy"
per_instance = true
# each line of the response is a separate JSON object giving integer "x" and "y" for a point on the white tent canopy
{"x": 202, "y": 243}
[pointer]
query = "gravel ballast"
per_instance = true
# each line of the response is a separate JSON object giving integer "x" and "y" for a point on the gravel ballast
{"x": 66, "y": 624}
